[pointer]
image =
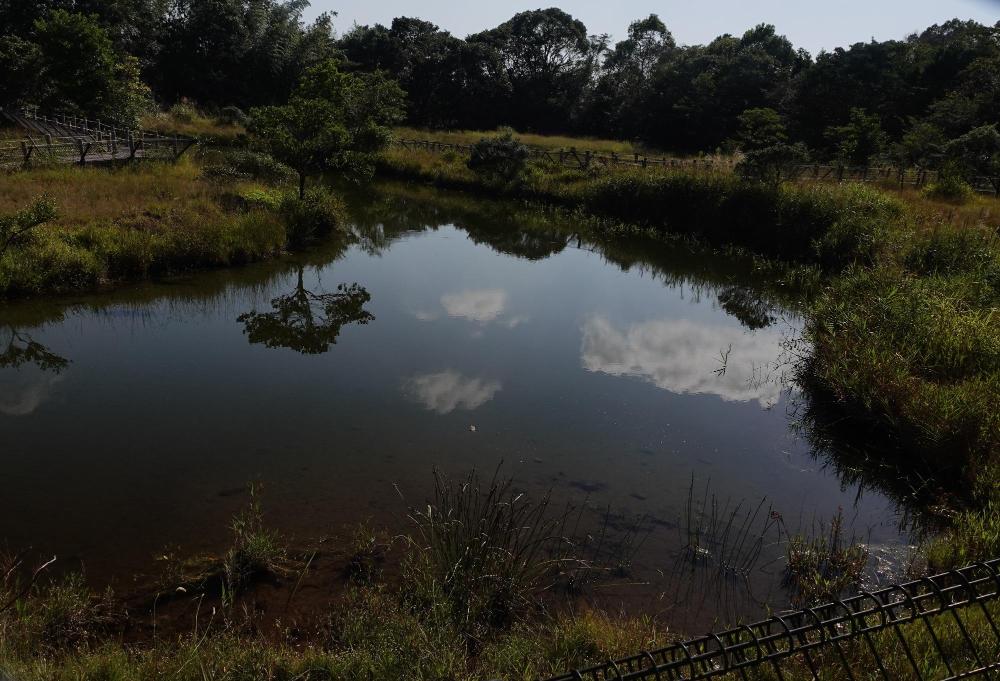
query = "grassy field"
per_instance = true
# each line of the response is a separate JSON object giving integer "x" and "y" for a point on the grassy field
{"x": 135, "y": 222}
{"x": 555, "y": 142}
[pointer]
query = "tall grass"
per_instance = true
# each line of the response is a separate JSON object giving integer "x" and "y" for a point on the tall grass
{"x": 128, "y": 223}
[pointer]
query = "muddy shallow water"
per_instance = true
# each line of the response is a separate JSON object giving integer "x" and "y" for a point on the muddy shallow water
{"x": 450, "y": 335}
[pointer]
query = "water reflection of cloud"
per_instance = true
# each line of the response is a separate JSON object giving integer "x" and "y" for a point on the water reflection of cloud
{"x": 22, "y": 392}
{"x": 484, "y": 305}
{"x": 684, "y": 357}
{"x": 449, "y": 390}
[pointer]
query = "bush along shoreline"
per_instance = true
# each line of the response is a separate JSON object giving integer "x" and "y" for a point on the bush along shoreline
{"x": 68, "y": 230}
{"x": 903, "y": 341}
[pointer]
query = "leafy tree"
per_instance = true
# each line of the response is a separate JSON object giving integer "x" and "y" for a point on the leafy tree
{"x": 243, "y": 52}
{"x": 16, "y": 230}
{"x": 307, "y": 322}
{"x": 19, "y": 64}
{"x": 922, "y": 145}
{"x": 500, "y": 160}
{"x": 79, "y": 70}
{"x": 616, "y": 104}
{"x": 549, "y": 59}
{"x": 333, "y": 121}
{"x": 860, "y": 141}
{"x": 761, "y": 128}
{"x": 977, "y": 153}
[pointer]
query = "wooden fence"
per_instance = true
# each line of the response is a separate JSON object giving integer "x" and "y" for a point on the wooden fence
{"x": 73, "y": 140}
{"x": 585, "y": 159}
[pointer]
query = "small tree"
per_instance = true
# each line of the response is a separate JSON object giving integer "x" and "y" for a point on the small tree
{"x": 15, "y": 230}
{"x": 977, "y": 153}
{"x": 922, "y": 145}
{"x": 761, "y": 128}
{"x": 767, "y": 155}
{"x": 499, "y": 160}
{"x": 861, "y": 140}
{"x": 333, "y": 121}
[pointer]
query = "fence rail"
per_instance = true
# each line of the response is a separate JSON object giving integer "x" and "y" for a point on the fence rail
{"x": 813, "y": 641}
{"x": 584, "y": 159}
{"x": 70, "y": 139}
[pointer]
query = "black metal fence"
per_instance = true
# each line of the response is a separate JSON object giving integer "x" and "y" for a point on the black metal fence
{"x": 940, "y": 628}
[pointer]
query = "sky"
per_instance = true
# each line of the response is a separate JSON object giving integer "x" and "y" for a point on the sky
{"x": 812, "y": 24}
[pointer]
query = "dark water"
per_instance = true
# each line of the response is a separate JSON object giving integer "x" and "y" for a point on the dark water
{"x": 475, "y": 334}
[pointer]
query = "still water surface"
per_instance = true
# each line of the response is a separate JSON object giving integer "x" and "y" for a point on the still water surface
{"x": 448, "y": 335}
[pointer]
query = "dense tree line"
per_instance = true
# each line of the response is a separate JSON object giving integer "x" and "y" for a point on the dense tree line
{"x": 541, "y": 71}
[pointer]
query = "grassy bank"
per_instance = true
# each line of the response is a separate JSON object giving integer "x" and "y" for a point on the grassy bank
{"x": 904, "y": 338}
{"x": 136, "y": 222}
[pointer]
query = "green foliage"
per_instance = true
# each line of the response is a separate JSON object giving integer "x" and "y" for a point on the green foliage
{"x": 183, "y": 112}
{"x": 823, "y": 567}
{"x": 239, "y": 165}
{"x": 79, "y": 69}
{"x": 334, "y": 121}
{"x": 232, "y": 115}
{"x": 949, "y": 187}
{"x": 761, "y": 129}
{"x": 860, "y": 141}
{"x": 977, "y": 152}
{"x": 922, "y": 146}
{"x": 257, "y": 550}
{"x": 770, "y": 164}
{"x": 17, "y": 230}
{"x": 500, "y": 160}
{"x": 315, "y": 215}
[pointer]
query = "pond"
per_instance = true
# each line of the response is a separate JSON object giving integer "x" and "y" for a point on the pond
{"x": 450, "y": 334}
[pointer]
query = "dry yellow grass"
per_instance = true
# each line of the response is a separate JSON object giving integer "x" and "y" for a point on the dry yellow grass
{"x": 199, "y": 127}
{"x": 541, "y": 141}
{"x": 92, "y": 194}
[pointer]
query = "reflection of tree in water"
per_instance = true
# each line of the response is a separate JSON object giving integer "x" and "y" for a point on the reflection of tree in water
{"x": 20, "y": 348}
{"x": 530, "y": 244}
{"x": 747, "y": 306}
{"x": 307, "y": 322}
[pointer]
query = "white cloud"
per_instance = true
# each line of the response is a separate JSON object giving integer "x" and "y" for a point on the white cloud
{"x": 21, "y": 393}
{"x": 683, "y": 357}
{"x": 484, "y": 305}
{"x": 449, "y": 390}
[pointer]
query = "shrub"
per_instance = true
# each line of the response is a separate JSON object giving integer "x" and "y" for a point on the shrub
{"x": 232, "y": 115}
{"x": 238, "y": 165}
{"x": 500, "y": 160}
{"x": 949, "y": 187}
{"x": 318, "y": 214}
{"x": 182, "y": 112}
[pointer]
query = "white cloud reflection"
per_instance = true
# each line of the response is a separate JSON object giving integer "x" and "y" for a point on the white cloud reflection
{"x": 485, "y": 305}
{"x": 22, "y": 392}
{"x": 482, "y": 306}
{"x": 449, "y": 390}
{"x": 683, "y": 357}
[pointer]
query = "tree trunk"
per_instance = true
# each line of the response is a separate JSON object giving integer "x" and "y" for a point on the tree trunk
{"x": 302, "y": 186}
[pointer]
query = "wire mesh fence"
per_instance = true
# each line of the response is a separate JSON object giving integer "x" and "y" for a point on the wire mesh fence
{"x": 940, "y": 628}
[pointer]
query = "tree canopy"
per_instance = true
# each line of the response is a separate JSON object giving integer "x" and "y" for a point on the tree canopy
{"x": 539, "y": 71}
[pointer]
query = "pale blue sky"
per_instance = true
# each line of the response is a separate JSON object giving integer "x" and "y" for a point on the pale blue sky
{"x": 812, "y": 24}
